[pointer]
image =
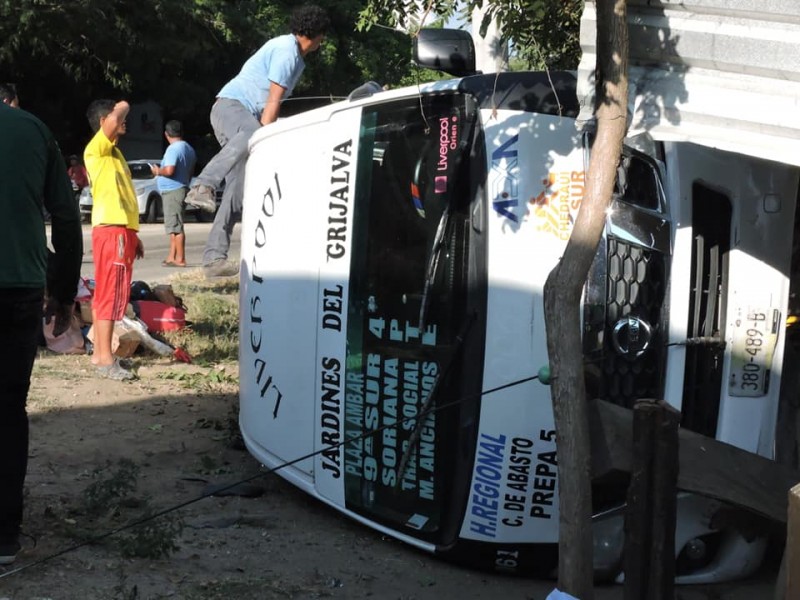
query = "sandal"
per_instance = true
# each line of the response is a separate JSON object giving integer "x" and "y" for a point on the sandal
{"x": 114, "y": 371}
{"x": 169, "y": 263}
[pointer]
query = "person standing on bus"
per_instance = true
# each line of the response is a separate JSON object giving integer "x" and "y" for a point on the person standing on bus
{"x": 248, "y": 101}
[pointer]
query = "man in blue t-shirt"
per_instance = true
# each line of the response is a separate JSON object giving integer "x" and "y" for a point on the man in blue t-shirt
{"x": 173, "y": 176}
{"x": 248, "y": 101}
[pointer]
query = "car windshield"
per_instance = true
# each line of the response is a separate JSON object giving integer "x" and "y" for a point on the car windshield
{"x": 407, "y": 308}
{"x": 141, "y": 170}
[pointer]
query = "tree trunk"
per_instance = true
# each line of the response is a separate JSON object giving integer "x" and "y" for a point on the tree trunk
{"x": 562, "y": 295}
{"x": 491, "y": 52}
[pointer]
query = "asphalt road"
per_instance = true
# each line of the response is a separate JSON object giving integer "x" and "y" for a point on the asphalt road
{"x": 156, "y": 244}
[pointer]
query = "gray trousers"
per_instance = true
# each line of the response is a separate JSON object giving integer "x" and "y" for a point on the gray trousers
{"x": 233, "y": 126}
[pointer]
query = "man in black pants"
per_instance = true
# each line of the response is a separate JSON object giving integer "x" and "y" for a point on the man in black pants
{"x": 34, "y": 179}
{"x": 247, "y": 102}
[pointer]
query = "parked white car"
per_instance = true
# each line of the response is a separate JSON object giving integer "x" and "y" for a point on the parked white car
{"x": 147, "y": 195}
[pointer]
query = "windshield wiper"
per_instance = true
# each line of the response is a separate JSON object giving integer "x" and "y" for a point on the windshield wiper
{"x": 433, "y": 263}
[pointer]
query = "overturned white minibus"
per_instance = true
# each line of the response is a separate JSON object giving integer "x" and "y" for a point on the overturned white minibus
{"x": 394, "y": 251}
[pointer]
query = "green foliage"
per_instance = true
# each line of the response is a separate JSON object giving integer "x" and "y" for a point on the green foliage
{"x": 154, "y": 538}
{"x": 544, "y": 33}
{"x": 406, "y": 14}
{"x": 108, "y": 491}
{"x": 110, "y": 494}
{"x": 209, "y": 466}
{"x": 178, "y": 53}
{"x": 213, "y": 335}
{"x": 421, "y": 75}
{"x": 209, "y": 380}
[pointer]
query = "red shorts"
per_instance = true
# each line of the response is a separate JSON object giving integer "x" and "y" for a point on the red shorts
{"x": 114, "y": 250}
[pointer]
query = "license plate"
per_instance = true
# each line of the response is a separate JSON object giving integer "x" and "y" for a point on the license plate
{"x": 755, "y": 333}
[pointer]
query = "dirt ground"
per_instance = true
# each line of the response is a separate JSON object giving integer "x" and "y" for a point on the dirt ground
{"x": 176, "y": 426}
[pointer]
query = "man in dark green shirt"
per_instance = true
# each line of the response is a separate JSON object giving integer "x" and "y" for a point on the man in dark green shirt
{"x": 33, "y": 179}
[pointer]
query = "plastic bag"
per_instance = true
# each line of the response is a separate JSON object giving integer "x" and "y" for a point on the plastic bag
{"x": 69, "y": 342}
{"x": 124, "y": 341}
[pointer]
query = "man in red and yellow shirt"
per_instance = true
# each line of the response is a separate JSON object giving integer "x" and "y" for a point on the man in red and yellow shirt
{"x": 115, "y": 223}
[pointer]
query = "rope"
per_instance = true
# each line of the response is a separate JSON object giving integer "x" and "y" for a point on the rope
{"x": 176, "y": 507}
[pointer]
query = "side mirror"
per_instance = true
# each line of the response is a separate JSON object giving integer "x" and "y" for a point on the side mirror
{"x": 448, "y": 50}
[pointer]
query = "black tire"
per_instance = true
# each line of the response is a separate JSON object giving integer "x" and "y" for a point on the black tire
{"x": 153, "y": 209}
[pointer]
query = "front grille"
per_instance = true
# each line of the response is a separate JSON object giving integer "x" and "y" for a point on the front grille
{"x": 635, "y": 288}
{"x": 711, "y": 225}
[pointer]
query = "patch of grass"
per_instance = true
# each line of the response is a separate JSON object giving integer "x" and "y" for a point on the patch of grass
{"x": 209, "y": 466}
{"x": 58, "y": 366}
{"x": 189, "y": 283}
{"x": 110, "y": 496}
{"x": 109, "y": 491}
{"x": 211, "y": 337}
{"x": 213, "y": 379}
{"x": 41, "y": 403}
{"x": 155, "y": 538}
{"x": 213, "y": 311}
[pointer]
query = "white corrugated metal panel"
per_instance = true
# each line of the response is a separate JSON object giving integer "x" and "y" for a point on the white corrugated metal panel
{"x": 722, "y": 73}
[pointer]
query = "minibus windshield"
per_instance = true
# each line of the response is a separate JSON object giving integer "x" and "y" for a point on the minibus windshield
{"x": 407, "y": 308}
